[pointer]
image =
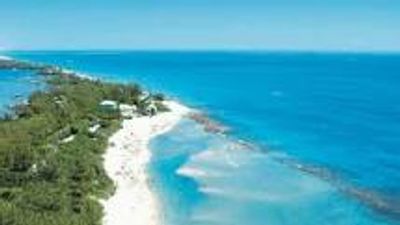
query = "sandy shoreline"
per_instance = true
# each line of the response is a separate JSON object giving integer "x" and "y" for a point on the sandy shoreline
{"x": 125, "y": 162}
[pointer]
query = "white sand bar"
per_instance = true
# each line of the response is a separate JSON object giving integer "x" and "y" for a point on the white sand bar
{"x": 125, "y": 161}
{"x": 2, "y": 57}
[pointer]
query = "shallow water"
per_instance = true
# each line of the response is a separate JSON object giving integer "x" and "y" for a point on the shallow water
{"x": 337, "y": 116}
{"x": 15, "y": 86}
{"x": 203, "y": 178}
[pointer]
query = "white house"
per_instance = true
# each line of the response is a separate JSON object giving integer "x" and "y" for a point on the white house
{"x": 128, "y": 111}
{"x": 151, "y": 109}
{"x": 109, "y": 105}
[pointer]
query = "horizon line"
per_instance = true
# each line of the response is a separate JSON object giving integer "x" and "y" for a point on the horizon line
{"x": 222, "y": 50}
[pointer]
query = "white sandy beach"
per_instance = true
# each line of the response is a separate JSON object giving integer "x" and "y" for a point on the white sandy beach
{"x": 125, "y": 161}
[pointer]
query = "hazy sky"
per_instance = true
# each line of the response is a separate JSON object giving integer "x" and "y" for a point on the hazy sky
{"x": 352, "y": 25}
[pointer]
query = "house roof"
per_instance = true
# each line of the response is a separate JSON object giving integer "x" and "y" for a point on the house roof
{"x": 108, "y": 103}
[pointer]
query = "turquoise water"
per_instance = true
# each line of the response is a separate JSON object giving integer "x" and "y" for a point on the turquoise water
{"x": 205, "y": 179}
{"x": 15, "y": 86}
{"x": 326, "y": 125}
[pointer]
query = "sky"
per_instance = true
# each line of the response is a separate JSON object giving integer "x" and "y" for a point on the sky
{"x": 316, "y": 25}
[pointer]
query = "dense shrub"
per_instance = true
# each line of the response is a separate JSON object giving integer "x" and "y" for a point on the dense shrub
{"x": 44, "y": 180}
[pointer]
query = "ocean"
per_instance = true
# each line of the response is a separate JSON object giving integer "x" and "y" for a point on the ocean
{"x": 314, "y": 137}
{"x": 15, "y": 87}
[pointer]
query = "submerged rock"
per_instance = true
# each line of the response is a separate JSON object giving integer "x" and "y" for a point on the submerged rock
{"x": 209, "y": 124}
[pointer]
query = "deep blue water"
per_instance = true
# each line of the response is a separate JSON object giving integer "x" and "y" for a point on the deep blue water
{"x": 327, "y": 125}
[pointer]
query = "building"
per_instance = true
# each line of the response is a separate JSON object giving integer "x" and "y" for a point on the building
{"x": 151, "y": 109}
{"x": 109, "y": 106}
{"x": 128, "y": 111}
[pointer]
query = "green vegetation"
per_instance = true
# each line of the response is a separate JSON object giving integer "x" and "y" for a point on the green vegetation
{"x": 51, "y": 168}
